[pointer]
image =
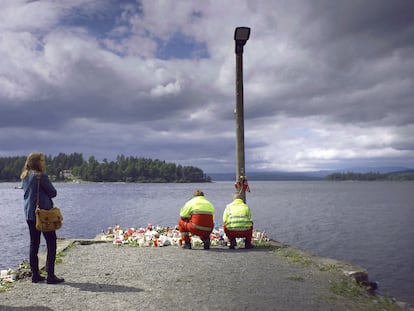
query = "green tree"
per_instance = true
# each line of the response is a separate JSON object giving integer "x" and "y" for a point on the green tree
{"x": 129, "y": 169}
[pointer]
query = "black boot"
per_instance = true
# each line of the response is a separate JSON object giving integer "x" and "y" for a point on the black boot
{"x": 36, "y": 278}
{"x": 232, "y": 244}
{"x": 206, "y": 242}
{"x": 53, "y": 279}
{"x": 248, "y": 245}
{"x": 187, "y": 245}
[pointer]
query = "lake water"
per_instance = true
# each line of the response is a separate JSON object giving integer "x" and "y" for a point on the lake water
{"x": 370, "y": 224}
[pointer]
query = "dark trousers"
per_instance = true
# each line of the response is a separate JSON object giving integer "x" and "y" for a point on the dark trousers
{"x": 50, "y": 238}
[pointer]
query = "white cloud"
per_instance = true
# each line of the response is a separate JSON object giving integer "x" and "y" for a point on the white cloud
{"x": 168, "y": 89}
{"x": 158, "y": 79}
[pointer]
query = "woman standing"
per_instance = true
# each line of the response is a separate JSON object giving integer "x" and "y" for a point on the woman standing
{"x": 34, "y": 171}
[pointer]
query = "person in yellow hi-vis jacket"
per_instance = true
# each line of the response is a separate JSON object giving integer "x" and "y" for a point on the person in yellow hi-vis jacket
{"x": 237, "y": 219}
{"x": 197, "y": 217}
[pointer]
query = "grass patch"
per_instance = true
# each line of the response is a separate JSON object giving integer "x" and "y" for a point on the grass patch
{"x": 329, "y": 268}
{"x": 59, "y": 257}
{"x": 261, "y": 244}
{"x": 296, "y": 278}
{"x": 8, "y": 281}
{"x": 5, "y": 286}
{"x": 61, "y": 254}
{"x": 360, "y": 298}
{"x": 346, "y": 288}
{"x": 293, "y": 256}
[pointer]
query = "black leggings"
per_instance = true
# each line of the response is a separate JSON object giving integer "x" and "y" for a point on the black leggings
{"x": 50, "y": 238}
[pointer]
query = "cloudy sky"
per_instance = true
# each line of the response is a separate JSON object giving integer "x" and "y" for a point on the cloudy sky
{"x": 327, "y": 84}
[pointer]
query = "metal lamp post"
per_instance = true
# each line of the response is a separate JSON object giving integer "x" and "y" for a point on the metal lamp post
{"x": 241, "y": 35}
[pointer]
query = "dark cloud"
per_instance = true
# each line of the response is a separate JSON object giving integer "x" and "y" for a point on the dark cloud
{"x": 326, "y": 83}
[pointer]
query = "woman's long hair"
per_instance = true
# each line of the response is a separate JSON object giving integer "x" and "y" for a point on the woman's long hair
{"x": 33, "y": 163}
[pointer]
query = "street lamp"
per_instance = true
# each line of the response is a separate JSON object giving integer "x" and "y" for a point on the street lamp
{"x": 241, "y": 35}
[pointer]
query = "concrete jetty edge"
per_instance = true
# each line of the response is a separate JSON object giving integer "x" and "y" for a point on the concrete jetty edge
{"x": 359, "y": 274}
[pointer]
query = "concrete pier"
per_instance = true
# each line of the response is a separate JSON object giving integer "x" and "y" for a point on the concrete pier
{"x": 100, "y": 275}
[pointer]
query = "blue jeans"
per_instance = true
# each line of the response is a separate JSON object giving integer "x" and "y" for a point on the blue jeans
{"x": 50, "y": 238}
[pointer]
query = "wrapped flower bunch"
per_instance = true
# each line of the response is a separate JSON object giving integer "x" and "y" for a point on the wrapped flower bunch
{"x": 159, "y": 236}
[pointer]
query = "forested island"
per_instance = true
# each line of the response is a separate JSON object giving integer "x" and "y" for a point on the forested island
{"x": 74, "y": 167}
{"x": 372, "y": 176}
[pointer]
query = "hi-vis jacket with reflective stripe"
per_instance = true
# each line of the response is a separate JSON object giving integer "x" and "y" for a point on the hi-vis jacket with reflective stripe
{"x": 237, "y": 216}
{"x": 197, "y": 205}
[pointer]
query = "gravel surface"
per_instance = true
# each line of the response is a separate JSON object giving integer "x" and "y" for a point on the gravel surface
{"x": 102, "y": 276}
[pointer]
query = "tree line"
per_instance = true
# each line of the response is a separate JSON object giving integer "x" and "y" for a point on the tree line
{"x": 371, "y": 176}
{"x": 65, "y": 167}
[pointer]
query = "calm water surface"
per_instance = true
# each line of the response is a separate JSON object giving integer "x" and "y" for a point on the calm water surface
{"x": 369, "y": 224}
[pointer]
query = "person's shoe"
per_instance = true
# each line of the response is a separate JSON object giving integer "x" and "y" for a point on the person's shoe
{"x": 54, "y": 280}
{"x": 248, "y": 246}
{"x": 233, "y": 244}
{"x": 206, "y": 243}
{"x": 187, "y": 245}
{"x": 37, "y": 278}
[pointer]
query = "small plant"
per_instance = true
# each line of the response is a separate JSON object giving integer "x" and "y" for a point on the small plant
{"x": 261, "y": 244}
{"x": 24, "y": 265}
{"x": 388, "y": 302}
{"x": 7, "y": 279}
{"x": 362, "y": 300}
{"x": 133, "y": 243}
{"x": 293, "y": 256}
{"x": 347, "y": 288}
{"x": 329, "y": 268}
{"x": 59, "y": 257}
{"x": 296, "y": 278}
{"x": 5, "y": 285}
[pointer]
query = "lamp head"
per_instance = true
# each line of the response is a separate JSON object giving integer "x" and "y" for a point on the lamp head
{"x": 241, "y": 35}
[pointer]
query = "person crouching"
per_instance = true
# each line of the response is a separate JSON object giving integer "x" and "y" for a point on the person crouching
{"x": 237, "y": 219}
{"x": 197, "y": 217}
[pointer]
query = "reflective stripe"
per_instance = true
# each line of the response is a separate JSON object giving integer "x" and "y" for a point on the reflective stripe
{"x": 238, "y": 220}
{"x": 239, "y": 229}
{"x": 236, "y": 223}
{"x": 201, "y": 227}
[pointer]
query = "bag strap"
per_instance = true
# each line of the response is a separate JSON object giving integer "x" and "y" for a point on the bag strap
{"x": 38, "y": 189}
